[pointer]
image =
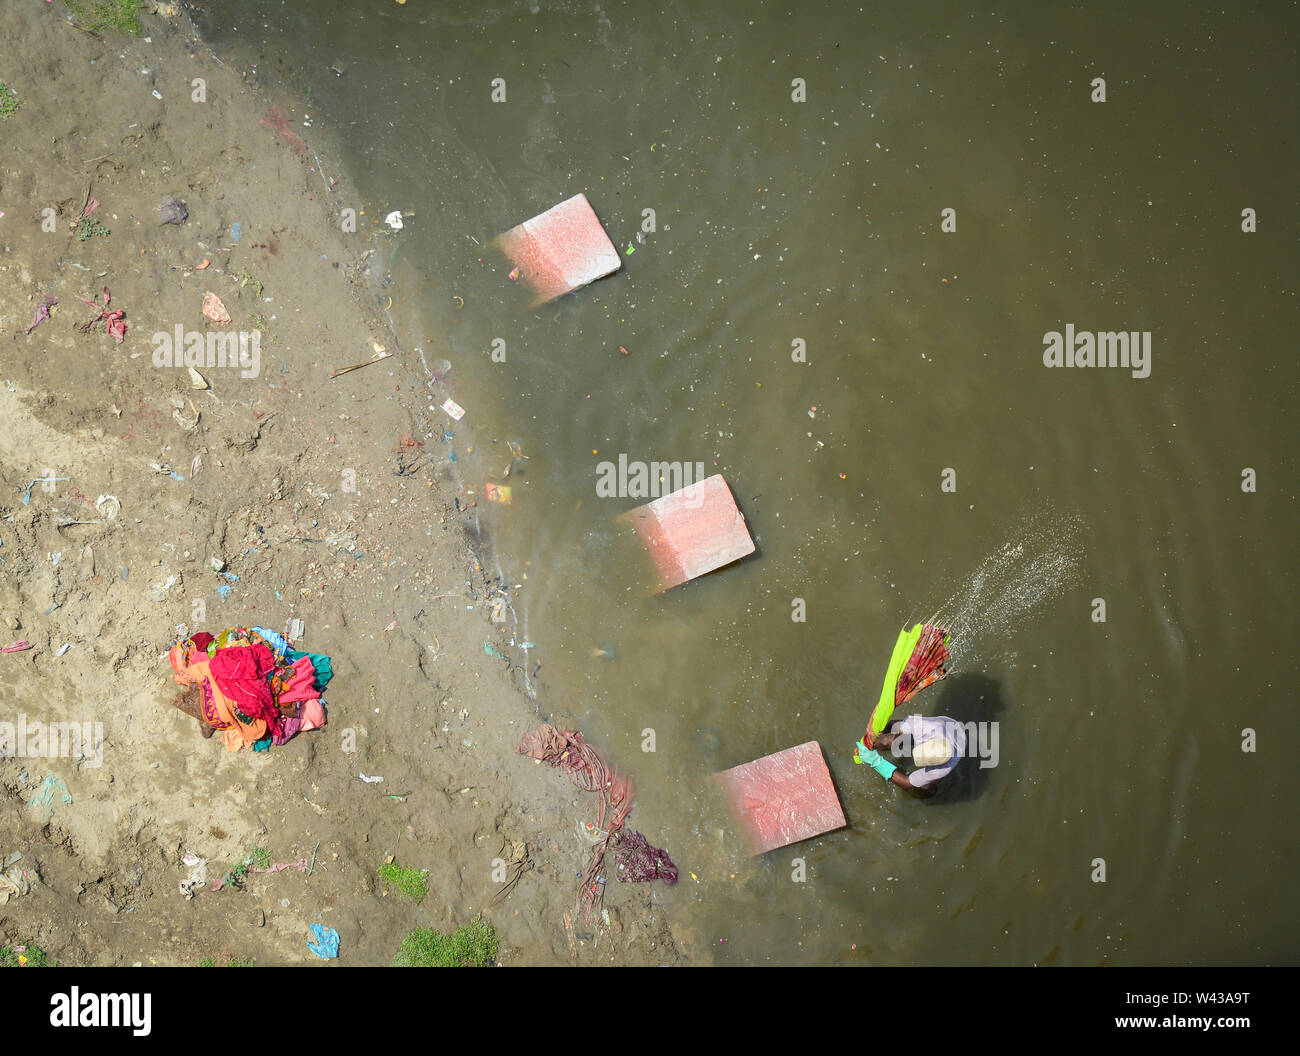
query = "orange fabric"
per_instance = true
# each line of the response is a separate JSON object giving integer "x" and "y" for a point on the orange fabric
{"x": 218, "y": 710}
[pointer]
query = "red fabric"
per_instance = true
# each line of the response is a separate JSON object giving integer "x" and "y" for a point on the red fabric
{"x": 202, "y": 640}
{"x": 114, "y": 320}
{"x": 925, "y": 665}
{"x": 241, "y": 672}
{"x": 587, "y": 768}
{"x": 302, "y": 686}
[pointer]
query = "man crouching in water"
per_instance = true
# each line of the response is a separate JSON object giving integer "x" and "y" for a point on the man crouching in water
{"x": 938, "y": 745}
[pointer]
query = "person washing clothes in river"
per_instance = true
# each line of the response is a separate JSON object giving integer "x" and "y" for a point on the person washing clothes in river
{"x": 937, "y": 746}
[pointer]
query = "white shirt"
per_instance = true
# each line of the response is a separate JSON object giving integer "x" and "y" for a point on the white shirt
{"x": 921, "y": 729}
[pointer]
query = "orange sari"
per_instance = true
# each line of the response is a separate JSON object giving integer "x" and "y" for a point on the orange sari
{"x": 218, "y": 711}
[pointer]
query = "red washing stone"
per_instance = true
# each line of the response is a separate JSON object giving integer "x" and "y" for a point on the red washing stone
{"x": 562, "y": 250}
{"x": 783, "y": 798}
{"x": 692, "y": 531}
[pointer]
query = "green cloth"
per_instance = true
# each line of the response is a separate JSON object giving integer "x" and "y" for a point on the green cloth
{"x": 884, "y": 708}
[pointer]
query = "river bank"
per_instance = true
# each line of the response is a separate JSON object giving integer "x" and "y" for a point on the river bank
{"x": 334, "y": 500}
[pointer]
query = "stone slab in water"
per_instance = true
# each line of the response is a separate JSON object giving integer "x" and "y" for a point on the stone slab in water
{"x": 783, "y": 798}
{"x": 692, "y": 531}
{"x": 562, "y": 250}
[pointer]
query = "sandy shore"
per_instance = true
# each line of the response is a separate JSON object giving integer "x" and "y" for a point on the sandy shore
{"x": 333, "y": 500}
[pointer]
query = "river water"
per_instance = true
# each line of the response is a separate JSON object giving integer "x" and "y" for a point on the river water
{"x": 820, "y": 222}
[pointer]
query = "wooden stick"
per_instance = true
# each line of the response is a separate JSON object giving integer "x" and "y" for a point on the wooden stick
{"x": 358, "y": 366}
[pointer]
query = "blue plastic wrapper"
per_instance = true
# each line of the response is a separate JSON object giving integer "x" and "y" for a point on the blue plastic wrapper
{"x": 327, "y": 941}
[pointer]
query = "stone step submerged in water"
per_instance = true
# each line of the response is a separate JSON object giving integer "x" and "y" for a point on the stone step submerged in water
{"x": 691, "y": 531}
{"x": 561, "y": 250}
{"x": 783, "y": 798}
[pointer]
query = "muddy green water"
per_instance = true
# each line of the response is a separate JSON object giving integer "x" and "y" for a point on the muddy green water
{"x": 821, "y": 221}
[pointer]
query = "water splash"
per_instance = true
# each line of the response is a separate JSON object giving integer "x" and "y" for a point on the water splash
{"x": 1042, "y": 558}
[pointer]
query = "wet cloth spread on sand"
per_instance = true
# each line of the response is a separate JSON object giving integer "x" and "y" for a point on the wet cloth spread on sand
{"x": 253, "y": 688}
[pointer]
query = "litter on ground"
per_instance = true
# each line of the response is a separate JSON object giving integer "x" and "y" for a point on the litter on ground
{"x": 214, "y": 309}
{"x": 114, "y": 321}
{"x": 326, "y": 944}
{"x": 42, "y": 312}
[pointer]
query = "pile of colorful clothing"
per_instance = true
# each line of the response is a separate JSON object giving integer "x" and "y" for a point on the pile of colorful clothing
{"x": 251, "y": 685}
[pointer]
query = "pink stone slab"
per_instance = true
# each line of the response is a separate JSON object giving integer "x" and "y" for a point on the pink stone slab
{"x": 692, "y": 531}
{"x": 783, "y": 798}
{"x": 562, "y": 250}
